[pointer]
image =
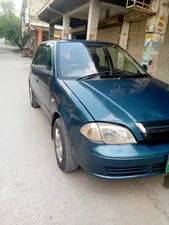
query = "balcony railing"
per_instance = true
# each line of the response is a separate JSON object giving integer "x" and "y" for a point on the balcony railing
{"x": 142, "y": 5}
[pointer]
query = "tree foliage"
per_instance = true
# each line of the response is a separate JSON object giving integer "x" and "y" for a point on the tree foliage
{"x": 7, "y": 6}
{"x": 10, "y": 24}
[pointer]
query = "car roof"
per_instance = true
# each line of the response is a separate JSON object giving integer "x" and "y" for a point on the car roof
{"x": 86, "y": 42}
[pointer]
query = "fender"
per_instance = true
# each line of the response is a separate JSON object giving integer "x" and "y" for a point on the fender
{"x": 65, "y": 105}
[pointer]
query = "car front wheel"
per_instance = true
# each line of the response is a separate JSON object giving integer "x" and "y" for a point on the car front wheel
{"x": 63, "y": 147}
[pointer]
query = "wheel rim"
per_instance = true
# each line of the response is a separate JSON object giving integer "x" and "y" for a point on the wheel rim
{"x": 58, "y": 145}
{"x": 30, "y": 94}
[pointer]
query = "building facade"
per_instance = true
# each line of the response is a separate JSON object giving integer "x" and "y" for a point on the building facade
{"x": 35, "y": 29}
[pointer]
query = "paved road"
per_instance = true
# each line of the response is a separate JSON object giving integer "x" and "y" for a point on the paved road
{"x": 33, "y": 191}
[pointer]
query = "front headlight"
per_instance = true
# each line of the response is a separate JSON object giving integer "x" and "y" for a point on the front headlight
{"x": 108, "y": 133}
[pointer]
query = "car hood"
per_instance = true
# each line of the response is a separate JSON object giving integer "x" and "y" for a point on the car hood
{"x": 123, "y": 100}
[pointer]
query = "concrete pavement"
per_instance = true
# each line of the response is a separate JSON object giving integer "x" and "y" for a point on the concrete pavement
{"x": 33, "y": 191}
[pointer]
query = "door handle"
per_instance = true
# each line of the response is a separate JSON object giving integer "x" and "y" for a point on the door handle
{"x": 52, "y": 100}
{"x": 37, "y": 80}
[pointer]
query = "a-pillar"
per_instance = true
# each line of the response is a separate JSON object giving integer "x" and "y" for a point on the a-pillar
{"x": 155, "y": 33}
{"x": 39, "y": 36}
{"x": 51, "y": 32}
{"x": 66, "y": 26}
{"x": 93, "y": 19}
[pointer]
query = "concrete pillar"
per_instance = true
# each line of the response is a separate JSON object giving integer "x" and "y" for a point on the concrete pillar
{"x": 66, "y": 25}
{"x": 155, "y": 33}
{"x": 39, "y": 37}
{"x": 93, "y": 19}
{"x": 123, "y": 41}
{"x": 124, "y": 35}
{"x": 23, "y": 25}
{"x": 51, "y": 31}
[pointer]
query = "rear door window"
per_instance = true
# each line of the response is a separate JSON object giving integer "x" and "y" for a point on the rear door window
{"x": 43, "y": 57}
{"x": 40, "y": 57}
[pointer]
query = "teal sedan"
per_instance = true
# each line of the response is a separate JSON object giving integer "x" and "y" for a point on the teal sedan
{"x": 107, "y": 114}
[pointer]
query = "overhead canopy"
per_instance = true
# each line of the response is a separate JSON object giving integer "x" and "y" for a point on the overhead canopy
{"x": 65, "y": 6}
{"x": 77, "y": 9}
{"x": 47, "y": 14}
{"x": 53, "y": 11}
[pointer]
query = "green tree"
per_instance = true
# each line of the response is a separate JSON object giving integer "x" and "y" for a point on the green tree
{"x": 7, "y": 6}
{"x": 10, "y": 24}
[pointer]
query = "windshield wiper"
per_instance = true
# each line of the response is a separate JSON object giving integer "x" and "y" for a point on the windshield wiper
{"x": 114, "y": 74}
{"x": 89, "y": 76}
{"x": 94, "y": 75}
{"x": 136, "y": 75}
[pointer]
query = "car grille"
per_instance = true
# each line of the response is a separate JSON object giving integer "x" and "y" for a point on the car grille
{"x": 137, "y": 170}
{"x": 157, "y": 131}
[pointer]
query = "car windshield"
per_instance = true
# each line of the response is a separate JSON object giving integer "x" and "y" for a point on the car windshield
{"x": 79, "y": 60}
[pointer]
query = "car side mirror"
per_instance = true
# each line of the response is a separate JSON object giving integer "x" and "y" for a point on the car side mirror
{"x": 145, "y": 67}
{"x": 40, "y": 70}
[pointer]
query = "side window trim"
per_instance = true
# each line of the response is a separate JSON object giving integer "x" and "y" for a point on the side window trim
{"x": 51, "y": 45}
{"x": 35, "y": 57}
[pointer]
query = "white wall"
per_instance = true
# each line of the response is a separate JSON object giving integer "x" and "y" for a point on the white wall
{"x": 36, "y": 6}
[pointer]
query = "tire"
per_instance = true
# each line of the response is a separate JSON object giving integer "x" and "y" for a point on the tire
{"x": 65, "y": 156}
{"x": 33, "y": 99}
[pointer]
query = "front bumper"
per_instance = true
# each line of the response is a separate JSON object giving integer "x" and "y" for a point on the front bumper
{"x": 121, "y": 161}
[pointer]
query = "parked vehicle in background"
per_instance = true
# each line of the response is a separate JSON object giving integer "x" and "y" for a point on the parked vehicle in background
{"x": 28, "y": 53}
{"x": 31, "y": 55}
{"x": 107, "y": 114}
